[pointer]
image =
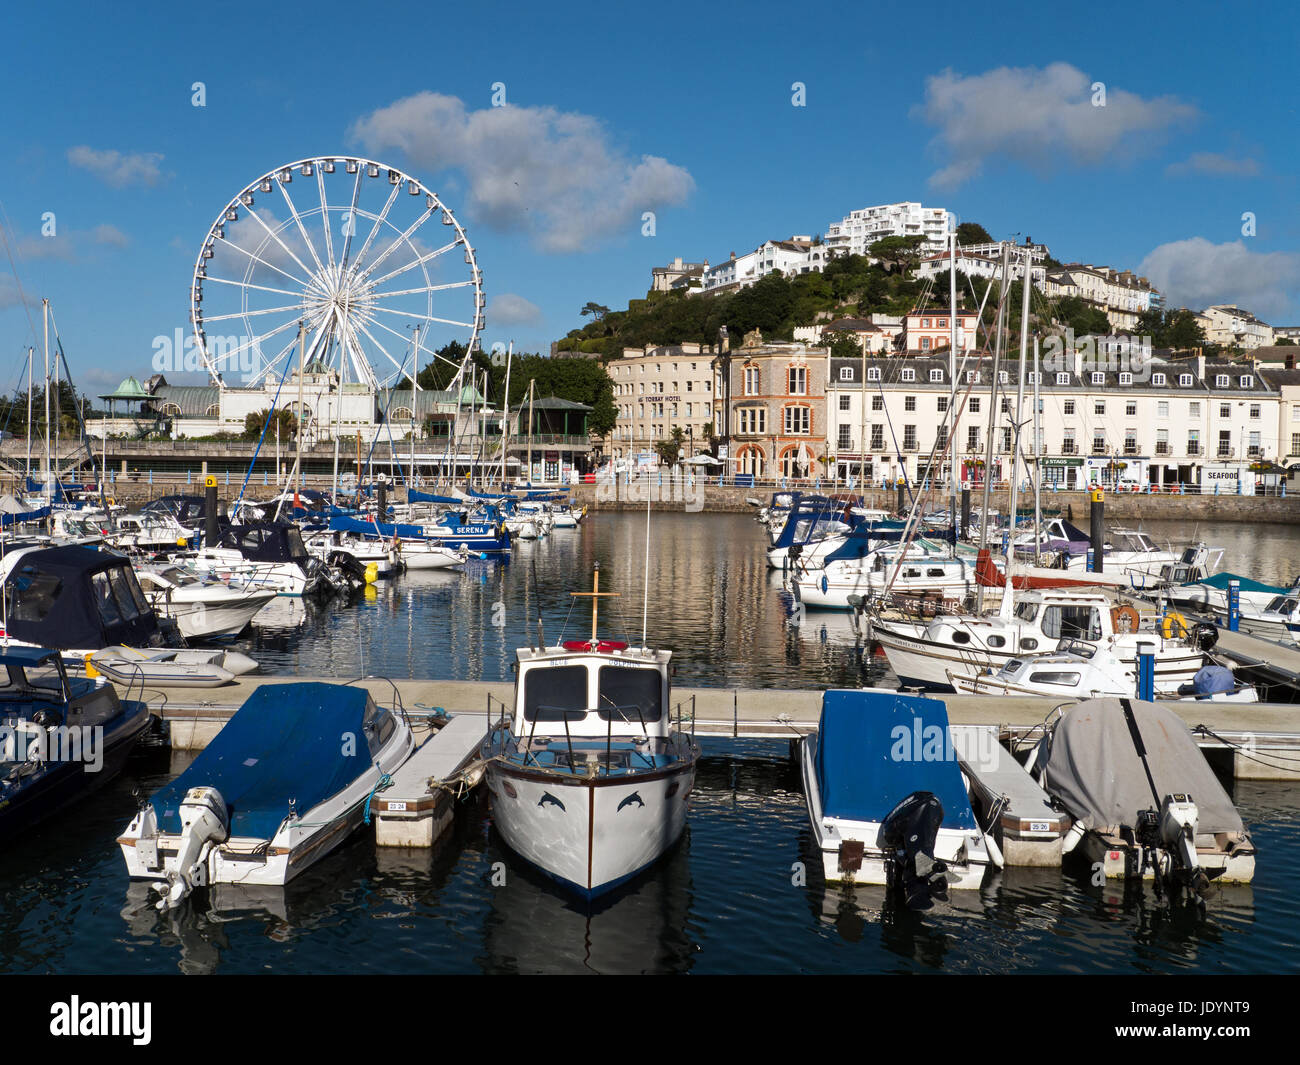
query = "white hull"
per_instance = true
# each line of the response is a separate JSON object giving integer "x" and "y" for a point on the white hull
{"x": 200, "y": 618}
{"x": 964, "y": 852}
{"x": 296, "y": 846}
{"x": 592, "y": 833}
{"x": 916, "y": 660}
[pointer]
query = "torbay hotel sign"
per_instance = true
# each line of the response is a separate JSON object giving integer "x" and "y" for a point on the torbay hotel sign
{"x": 1227, "y": 478}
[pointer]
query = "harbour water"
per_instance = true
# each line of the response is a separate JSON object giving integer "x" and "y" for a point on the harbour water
{"x": 742, "y": 893}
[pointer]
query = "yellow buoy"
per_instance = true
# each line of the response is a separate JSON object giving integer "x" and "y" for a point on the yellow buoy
{"x": 372, "y": 572}
{"x": 91, "y": 671}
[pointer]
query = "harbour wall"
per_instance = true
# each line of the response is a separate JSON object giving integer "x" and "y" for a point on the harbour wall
{"x": 1120, "y": 506}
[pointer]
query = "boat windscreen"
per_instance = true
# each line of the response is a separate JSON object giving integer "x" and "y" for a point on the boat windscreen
{"x": 554, "y": 693}
{"x": 624, "y": 691}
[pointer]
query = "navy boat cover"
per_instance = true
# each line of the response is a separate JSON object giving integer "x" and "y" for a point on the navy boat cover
{"x": 286, "y": 742}
{"x": 874, "y": 748}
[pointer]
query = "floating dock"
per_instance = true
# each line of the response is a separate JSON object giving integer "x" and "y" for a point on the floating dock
{"x": 418, "y": 805}
{"x": 1028, "y": 829}
{"x": 1259, "y": 741}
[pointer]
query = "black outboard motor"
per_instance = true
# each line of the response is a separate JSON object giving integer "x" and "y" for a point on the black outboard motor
{"x": 909, "y": 831}
{"x": 1204, "y": 636}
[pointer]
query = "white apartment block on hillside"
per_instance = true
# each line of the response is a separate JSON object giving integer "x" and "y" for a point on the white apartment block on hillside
{"x": 856, "y": 232}
{"x": 798, "y": 255}
{"x": 986, "y": 266}
{"x": 1234, "y": 328}
{"x": 677, "y": 274}
{"x": 1120, "y": 293}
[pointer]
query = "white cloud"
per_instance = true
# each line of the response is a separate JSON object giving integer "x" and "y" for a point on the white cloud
{"x": 109, "y": 234}
{"x": 69, "y": 244}
{"x": 1043, "y": 118}
{"x": 9, "y": 296}
{"x": 118, "y": 169}
{"x": 535, "y": 169}
{"x": 1214, "y": 164}
{"x": 509, "y": 309}
{"x": 1196, "y": 273}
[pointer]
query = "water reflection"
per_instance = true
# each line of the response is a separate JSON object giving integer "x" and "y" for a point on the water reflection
{"x": 534, "y": 927}
{"x": 708, "y": 596}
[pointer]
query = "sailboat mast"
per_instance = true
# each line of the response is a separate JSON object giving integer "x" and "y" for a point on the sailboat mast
{"x": 415, "y": 391}
{"x": 302, "y": 360}
{"x": 505, "y": 416}
{"x": 1015, "y": 436}
{"x": 531, "y": 386}
{"x": 952, "y": 368}
{"x": 988, "y": 449}
{"x": 31, "y": 365}
{"x": 1038, "y": 451}
{"x": 49, "y": 491}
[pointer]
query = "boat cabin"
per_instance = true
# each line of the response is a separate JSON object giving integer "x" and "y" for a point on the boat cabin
{"x": 268, "y": 541}
{"x": 33, "y": 680}
{"x": 76, "y": 598}
{"x": 580, "y": 690}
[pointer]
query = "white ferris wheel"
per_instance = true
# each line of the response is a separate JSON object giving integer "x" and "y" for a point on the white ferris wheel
{"x": 348, "y": 251}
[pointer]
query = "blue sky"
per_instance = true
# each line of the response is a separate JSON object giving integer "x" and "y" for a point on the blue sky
{"x": 613, "y": 112}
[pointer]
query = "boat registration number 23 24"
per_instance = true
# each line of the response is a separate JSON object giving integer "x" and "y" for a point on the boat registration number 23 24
{"x": 396, "y": 807}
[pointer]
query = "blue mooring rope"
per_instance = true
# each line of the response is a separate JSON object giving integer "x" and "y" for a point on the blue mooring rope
{"x": 383, "y": 782}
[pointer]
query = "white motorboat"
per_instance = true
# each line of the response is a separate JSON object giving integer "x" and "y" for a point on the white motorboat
{"x": 922, "y": 653}
{"x": 918, "y": 571}
{"x": 590, "y": 777}
{"x": 887, "y": 799}
{"x": 84, "y": 603}
{"x": 267, "y": 555}
{"x": 1134, "y": 554}
{"x": 285, "y": 781}
{"x": 355, "y": 553}
{"x": 1081, "y": 670}
{"x": 201, "y": 608}
{"x": 150, "y": 533}
{"x": 1144, "y": 801}
{"x": 425, "y": 555}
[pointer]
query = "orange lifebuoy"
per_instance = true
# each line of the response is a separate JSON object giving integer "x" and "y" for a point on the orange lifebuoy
{"x": 1124, "y": 619}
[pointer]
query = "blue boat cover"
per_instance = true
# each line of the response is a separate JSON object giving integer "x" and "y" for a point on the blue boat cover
{"x": 286, "y": 742}
{"x": 874, "y": 748}
{"x": 38, "y": 514}
{"x": 1220, "y": 581}
{"x": 412, "y": 496}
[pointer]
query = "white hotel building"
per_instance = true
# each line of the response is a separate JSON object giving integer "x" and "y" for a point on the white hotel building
{"x": 657, "y": 389}
{"x": 1189, "y": 423}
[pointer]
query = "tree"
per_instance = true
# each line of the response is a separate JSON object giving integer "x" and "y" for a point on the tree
{"x": 254, "y": 422}
{"x": 1081, "y": 316}
{"x": 897, "y": 251}
{"x": 842, "y": 345}
{"x": 973, "y": 233}
{"x": 670, "y": 450}
{"x": 596, "y": 311}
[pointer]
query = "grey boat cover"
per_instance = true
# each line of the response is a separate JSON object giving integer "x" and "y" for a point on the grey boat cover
{"x": 1094, "y": 770}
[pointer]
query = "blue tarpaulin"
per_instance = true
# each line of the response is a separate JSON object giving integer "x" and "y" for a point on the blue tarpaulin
{"x": 874, "y": 748}
{"x": 286, "y": 742}
{"x": 412, "y": 496}
{"x": 31, "y": 515}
